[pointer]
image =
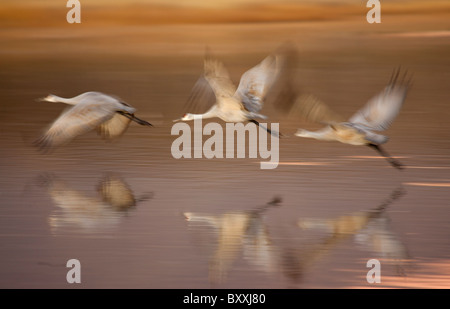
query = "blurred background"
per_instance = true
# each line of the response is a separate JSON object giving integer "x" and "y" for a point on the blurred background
{"x": 313, "y": 222}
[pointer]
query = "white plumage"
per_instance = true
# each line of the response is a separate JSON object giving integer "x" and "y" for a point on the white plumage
{"x": 377, "y": 115}
{"x": 90, "y": 110}
{"x": 234, "y": 104}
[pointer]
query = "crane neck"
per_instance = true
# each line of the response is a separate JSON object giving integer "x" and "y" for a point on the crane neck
{"x": 69, "y": 101}
{"x": 211, "y": 113}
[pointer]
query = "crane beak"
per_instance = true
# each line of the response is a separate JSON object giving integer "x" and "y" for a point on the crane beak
{"x": 176, "y": 120}
{"x": 44, "y": 99}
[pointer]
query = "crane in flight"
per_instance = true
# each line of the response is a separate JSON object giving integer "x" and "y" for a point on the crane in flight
{"x": 90, "y": 110}
{"x": 235, "y": 104}
{"x": 377, "y": 115}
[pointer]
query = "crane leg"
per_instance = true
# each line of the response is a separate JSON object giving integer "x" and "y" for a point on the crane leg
{"x": 276, "y": 134}
{"x": 391, "y": 160}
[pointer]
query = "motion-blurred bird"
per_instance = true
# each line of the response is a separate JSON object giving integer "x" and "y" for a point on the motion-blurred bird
{"x": 377, "y": 115}
{"x": 91, "y": 110}
{"x": 235, "y": 104}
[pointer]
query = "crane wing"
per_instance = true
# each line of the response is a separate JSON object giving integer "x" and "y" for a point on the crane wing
{"x": 114, "y": 127}
{"x": 381, "y": 110}
{"x": 218, "y": 78}
{"x": 77, "y": 120}
{"x": 256, "y": 82}
{"x": 311, "y": 108}
{"x": 201, "y": 98}
{"x": 214, "y": 83}
{"x": 283, "y": 93}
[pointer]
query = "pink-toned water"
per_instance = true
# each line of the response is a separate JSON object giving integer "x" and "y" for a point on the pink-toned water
{"x": 323, "y": 229}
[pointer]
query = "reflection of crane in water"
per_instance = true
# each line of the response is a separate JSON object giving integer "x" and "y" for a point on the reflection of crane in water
{"x": 371, "y": 229}
{"x": 237, "y": 231}
{"x": 246, "y": 232}
{"x": 235, "y": 104}
{"x": 91, "y": 110}
{"x": 80, "y": 211}
{"x": 377, "y": 115}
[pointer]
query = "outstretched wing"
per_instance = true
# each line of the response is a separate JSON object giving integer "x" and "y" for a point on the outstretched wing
{"x": 256, "y": 82}
{"x": 283, "y": 93}
{"x": 311, "y": 108}
{"x": 214, "y": 83}
{"x": 114, "y": 127}
{"x": 77, "y": 120}
{"x": 201, "y": 98}
{"x": 381, "y": 110}
{"x": 218, "y": 78}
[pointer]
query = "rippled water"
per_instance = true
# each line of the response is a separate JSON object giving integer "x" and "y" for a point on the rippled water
{"x": 313, "y": 222}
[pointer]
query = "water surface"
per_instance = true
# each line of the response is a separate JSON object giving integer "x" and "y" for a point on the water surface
{"x": 313, "y": 222}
